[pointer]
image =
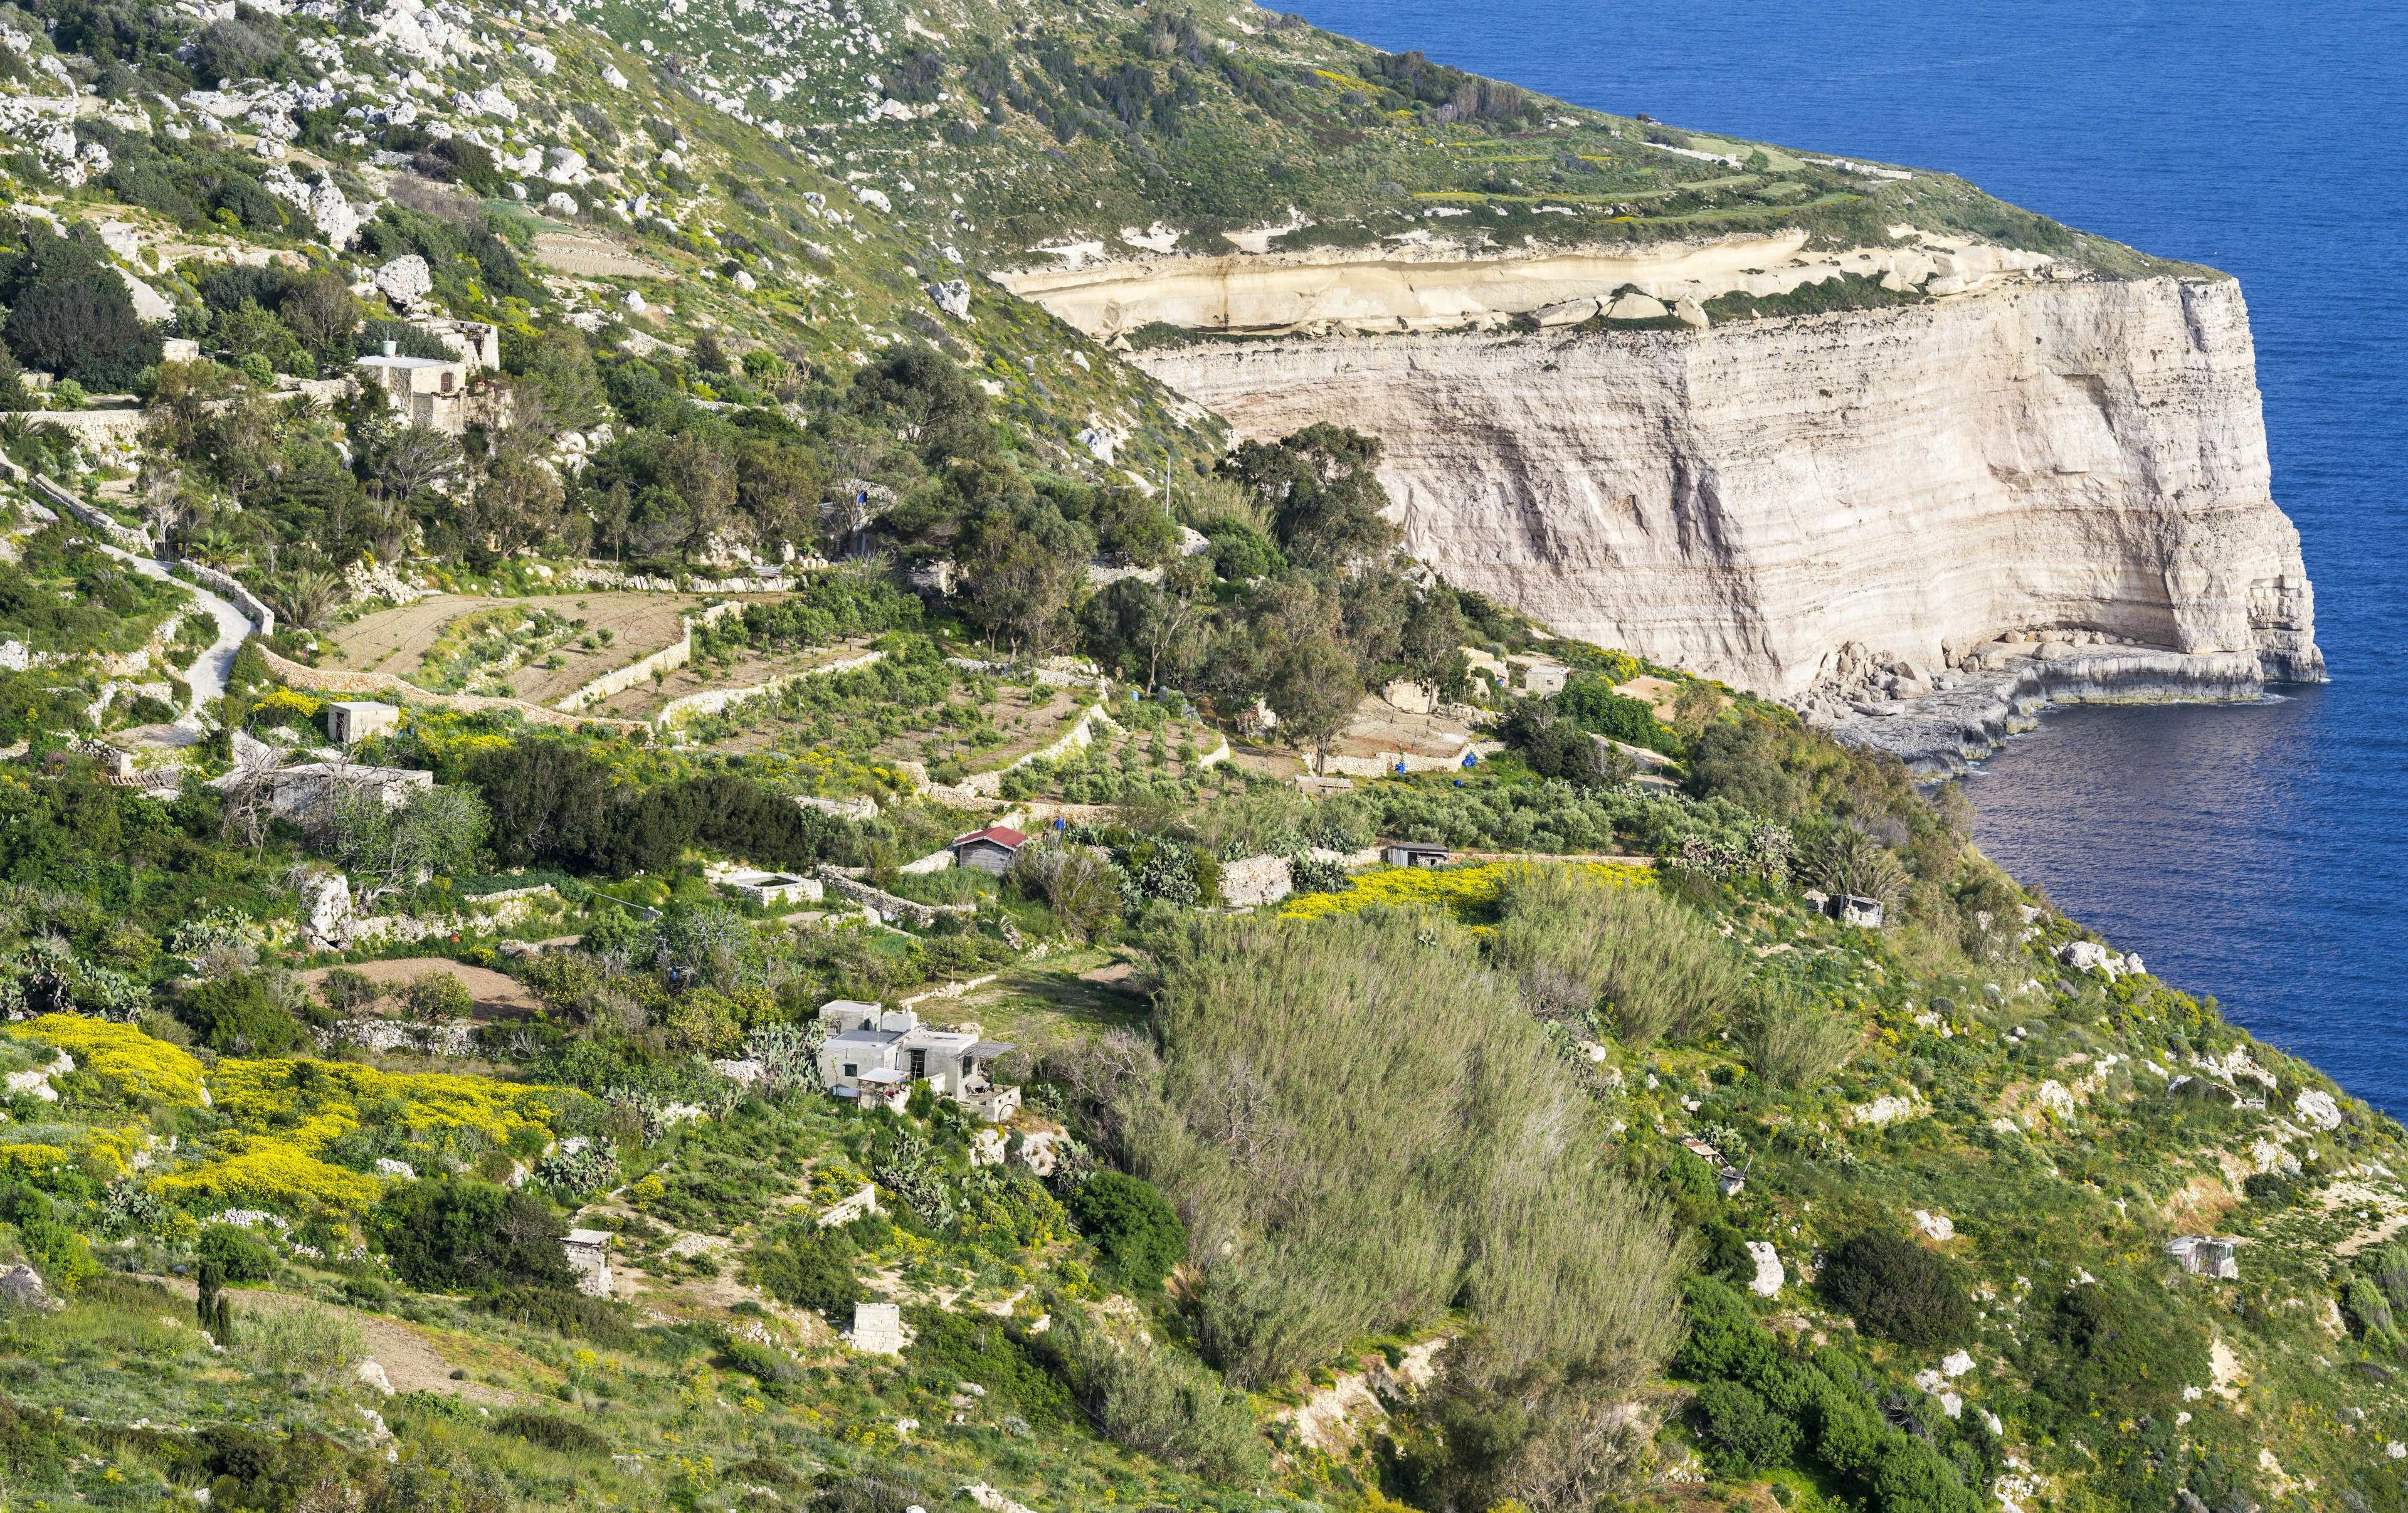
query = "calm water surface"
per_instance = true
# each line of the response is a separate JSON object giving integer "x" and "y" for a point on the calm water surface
{"x": 2259, "y": 853}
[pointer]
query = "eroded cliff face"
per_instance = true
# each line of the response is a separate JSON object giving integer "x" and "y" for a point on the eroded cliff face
{"x": 1745, "y": 500}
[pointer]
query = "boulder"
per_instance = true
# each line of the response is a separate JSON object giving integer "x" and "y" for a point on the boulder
{"x": 333, "y": 215}
{"x": 406, "y": 280}
{"x": 953, "y": 297}
{"x": 2317, "y": 1108}
{"x": 1770, "y": 1274}
{"x": 1691, "y": 312}
{"x": 1569, "y": 312}
{"x": 1955, "y": 1363}
{"x": 22, "y": 1287}
{"x": 1939, "y": 1226}
{"x": 373, "y": 1375}
{"x": 560, "y": 202}
{"x": 1636, "y": 306}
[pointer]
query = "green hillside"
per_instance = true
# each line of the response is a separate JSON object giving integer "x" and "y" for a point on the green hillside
{"x": 1598, "y": 1167}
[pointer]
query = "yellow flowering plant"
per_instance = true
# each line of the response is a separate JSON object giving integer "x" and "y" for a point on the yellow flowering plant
{"x": 1465, "y": 892}
{"x": 138, "y": 1065}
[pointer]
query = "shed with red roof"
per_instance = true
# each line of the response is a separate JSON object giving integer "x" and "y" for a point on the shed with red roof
{"x": 990, "y": 849}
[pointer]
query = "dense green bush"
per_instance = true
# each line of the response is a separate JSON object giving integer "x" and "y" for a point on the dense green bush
{"x": 1749, "y": 1432}
{"x": 243, "y": 1256}
{"x": 810, "y": 1270}
{"x": 1132, "y": 1225}
{"x": 1894, "y": 1288}
{"x": 997, "y": 1355}
{"x": 444, "y": 1234}
{"x": 565, "y": 1435}
{"x": 234, "y": 1014}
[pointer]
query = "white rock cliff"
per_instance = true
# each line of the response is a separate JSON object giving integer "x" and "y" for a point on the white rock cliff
{"x": 1747, "y": 499}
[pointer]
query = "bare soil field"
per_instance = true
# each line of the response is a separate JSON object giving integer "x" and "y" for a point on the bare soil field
{"x": 750, "y": 669}
{"x": 393, "y": 640}
{"x": 590, "y": 256}
{"x": 496, "y": 995}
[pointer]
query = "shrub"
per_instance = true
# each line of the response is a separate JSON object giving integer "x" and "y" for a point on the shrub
{"x": 566, "y": 1435}
{"x": 244, "y": 1257}
{"x": 303, "y": 1340}
{"x": 1654, "y": 964}
{"x": 1316, "y": 874}
{"x": 1897, "y": 1289}
{"x": 444, "y": 1234}
{"x": 1133, "y": 1225}
{"x": 572, "y": 1314}
{"x": 811, "y": 1270}
{"x": 437, "y": 995}
{"x": 234, "y": 1014}
{"x": 1353, "y": 1210}
{"x": 346, "y": 991}
{"x": 1161, "y": 1403}
{"x": 1750, "y": 1432}
{"x": 1790, "y": 1044}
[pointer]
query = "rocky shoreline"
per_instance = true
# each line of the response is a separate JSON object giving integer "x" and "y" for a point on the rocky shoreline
{"x": 2000, "y": 689}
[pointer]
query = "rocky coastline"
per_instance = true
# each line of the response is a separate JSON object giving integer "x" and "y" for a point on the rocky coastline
{"x": 1937, "y": 722}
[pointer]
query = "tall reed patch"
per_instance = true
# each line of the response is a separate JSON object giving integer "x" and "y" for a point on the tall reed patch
{"x": 1649, "y": 965}
{"x": 1362, "y": 1129}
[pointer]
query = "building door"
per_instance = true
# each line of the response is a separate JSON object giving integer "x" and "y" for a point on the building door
{"x": 919, "y": 1064}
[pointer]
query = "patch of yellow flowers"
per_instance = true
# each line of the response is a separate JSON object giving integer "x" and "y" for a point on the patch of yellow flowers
{"x": 1462, "y": 892}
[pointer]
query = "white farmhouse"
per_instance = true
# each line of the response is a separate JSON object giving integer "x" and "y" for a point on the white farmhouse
{"x": 874, "y": 1054}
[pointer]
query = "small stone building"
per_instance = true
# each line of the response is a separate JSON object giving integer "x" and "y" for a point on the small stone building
{"x": 874, "y": 1054}
{"x": 1414, "y": 853}
{"x": 425, "y": 390}
{"x": 356, "y": 719}
{"x": 298, "y": 791}
{"x": 2207, "y": 1255}
{"x": 588, "y": 1253}
{"x": 877, "y": 1329}
{"x": 991, "y": 849}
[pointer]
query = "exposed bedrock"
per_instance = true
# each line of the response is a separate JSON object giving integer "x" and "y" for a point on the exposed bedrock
{"x": 1997, "y": 695}
{"x": 1745, "y": 500}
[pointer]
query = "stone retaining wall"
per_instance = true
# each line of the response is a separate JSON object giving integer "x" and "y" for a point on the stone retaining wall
{"x": 328, "y": 680}
{"x": 667, "y": 660}
{"x": 886, "y": 903}
{"x": 715, "y": 701}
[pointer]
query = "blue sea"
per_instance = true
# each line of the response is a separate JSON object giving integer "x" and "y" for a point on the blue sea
{"x": 2257, "y": 854}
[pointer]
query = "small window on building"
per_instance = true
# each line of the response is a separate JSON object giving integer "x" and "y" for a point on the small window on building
{"x": 447, "y": 380}
{"x": 851, "y": 1069}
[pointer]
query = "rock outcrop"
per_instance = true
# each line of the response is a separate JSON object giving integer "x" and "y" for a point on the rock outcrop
{"x": 1743, "y": 500}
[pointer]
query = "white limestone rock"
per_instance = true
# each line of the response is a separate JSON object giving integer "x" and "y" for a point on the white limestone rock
{"x": 2318, "y": 1108}
{"x": 2056, "y": 500}
{"x": 953, "y": 297}
{"x": 406, "y": 280}
{"x": 1770, "y": 1273}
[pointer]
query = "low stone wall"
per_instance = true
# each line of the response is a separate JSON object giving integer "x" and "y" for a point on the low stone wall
{"x": 987, "y": 785}
{"x": 99, "y": 520}
{"x": 887, "y": 904}
{"x": 667, "y": 660}
{"x": 1264, "y": 880}
{"x": 1382, "y": 767}
{"x": 447, "y": 1037}
{"x": 329, "y": 681}
{"x": 229, "y": 588}
{"x": 716, "y": 701}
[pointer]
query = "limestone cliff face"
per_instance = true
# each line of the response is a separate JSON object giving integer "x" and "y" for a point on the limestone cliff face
{"x": 1745, "y": 499}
